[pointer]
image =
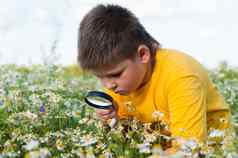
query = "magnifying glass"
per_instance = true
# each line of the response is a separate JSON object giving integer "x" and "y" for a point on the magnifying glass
{"x": 100, "y": 100}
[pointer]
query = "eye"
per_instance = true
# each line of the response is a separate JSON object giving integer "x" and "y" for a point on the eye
{"x": 116, "y": 74}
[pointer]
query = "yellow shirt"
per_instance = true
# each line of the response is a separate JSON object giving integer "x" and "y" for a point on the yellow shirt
{"x": 181, "y": 89}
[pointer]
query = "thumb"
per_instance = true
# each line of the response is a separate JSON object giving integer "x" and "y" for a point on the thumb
{"x": 115, "y": 106}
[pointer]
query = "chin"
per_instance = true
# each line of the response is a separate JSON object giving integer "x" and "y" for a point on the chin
{"x": 125, "y": 94}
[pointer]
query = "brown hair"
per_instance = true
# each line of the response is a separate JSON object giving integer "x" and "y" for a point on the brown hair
{"x": 109, "y": 34}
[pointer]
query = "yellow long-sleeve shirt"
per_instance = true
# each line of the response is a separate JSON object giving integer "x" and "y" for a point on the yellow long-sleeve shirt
{"x": 181, "y": 89}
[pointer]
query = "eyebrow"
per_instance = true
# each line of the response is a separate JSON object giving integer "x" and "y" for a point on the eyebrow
{"x": 112, "y": 73}
{"x": 116, "y": 72}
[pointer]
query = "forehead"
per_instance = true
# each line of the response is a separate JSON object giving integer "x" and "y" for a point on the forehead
{"x": 111, "y": 69}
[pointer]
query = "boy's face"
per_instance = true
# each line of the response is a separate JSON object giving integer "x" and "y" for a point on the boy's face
{"x": 127, "y": 76}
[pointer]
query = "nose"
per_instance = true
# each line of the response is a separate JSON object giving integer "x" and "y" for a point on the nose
{"x": 109, "y": 84}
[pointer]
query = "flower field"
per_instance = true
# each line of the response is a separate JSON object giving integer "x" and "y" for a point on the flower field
{"x": 43, "y": 115}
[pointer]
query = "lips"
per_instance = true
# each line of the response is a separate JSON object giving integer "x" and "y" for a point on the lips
{"x": 121, "y": 92}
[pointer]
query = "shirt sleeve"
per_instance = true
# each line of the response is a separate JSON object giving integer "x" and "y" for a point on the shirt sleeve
{"x": 187, "y": 107}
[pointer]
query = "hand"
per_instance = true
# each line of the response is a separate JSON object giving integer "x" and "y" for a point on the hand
{"x": 106, "y": 114}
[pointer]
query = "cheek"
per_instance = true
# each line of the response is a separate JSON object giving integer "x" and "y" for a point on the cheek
{"x": 137, "y": 78}
{"x": 131, "y": 81}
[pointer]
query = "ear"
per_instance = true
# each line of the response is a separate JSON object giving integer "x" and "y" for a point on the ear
{"x": 143, "y": 53}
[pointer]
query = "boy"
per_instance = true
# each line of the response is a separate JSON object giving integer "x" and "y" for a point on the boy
{"x": 144, "y": 78}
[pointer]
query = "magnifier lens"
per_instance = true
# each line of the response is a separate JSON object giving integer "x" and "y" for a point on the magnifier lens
{"x": 99, "y": 101}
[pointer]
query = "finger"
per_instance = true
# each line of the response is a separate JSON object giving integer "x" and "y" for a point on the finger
{"x": 104, "y": 111}
{"x": 102, "y": 115}
{"x": 115, "y": 105}
{"x": 107, "y": 116}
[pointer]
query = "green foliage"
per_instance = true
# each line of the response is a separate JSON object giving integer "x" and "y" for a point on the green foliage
{"x": 43, "y": 114}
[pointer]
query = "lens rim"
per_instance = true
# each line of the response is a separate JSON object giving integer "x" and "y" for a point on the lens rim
{"x": 98, "y": 94}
